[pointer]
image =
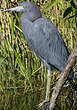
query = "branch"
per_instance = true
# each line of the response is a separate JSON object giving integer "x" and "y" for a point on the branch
{"x": 63, "y": 77}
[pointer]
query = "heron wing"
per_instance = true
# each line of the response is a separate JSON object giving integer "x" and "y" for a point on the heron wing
{"x": 46, "y": 42}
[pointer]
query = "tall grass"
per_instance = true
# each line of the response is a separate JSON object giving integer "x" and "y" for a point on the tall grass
{"x": 22, "y": 75}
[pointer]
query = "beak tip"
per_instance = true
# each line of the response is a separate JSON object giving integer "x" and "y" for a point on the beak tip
{"x": 4, "y": 11}
{"x": 17, "y": 9}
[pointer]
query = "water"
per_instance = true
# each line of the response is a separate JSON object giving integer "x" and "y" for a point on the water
{"x": 19, "y": 100}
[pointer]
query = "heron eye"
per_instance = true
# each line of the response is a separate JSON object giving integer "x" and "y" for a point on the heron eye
{"x": 24, "y": 6}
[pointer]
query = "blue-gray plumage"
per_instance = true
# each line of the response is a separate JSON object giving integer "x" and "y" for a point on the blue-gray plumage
{"x": 47, "y": 43}
{"x": 43, "y": 37}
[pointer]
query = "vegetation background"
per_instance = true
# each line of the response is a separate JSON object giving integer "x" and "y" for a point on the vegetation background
{"x": 22, "y": 75}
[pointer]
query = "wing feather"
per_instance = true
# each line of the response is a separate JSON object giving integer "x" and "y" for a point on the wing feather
{"x": 47, "y": 43}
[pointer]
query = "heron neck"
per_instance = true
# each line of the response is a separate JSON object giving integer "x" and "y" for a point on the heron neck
{"x": 26, "y": 26}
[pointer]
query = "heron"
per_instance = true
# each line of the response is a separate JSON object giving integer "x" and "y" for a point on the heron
{"x": 43, "y": 39}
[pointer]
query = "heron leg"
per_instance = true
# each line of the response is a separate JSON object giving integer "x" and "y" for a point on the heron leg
{"x": 47, "y": 90}
{"x": 48, "y": 85}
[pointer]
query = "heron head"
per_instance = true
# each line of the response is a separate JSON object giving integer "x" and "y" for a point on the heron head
{"x": 29, "y": 9}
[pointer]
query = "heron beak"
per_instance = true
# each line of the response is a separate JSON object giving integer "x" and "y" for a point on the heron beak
{"x": 17, "y": 9}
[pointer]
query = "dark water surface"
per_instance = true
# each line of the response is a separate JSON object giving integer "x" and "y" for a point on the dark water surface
{"x": 15, "y": 100}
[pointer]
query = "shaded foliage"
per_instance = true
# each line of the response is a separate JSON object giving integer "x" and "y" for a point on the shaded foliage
{"x": 70, "y": 9}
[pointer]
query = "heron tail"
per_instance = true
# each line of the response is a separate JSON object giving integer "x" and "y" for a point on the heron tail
{"x": 71, "y": 75}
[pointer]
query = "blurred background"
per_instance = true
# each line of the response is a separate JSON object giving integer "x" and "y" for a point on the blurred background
{"x": 22, "y": 75}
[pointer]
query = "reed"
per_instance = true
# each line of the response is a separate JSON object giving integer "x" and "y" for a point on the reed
{"x": 22, "y": 75}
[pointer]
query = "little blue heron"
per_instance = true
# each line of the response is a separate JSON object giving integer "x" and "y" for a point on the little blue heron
{"x": 43, "y": 39}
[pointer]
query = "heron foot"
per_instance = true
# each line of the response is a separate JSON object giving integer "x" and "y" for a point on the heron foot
{"x": 45, "y": 102}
